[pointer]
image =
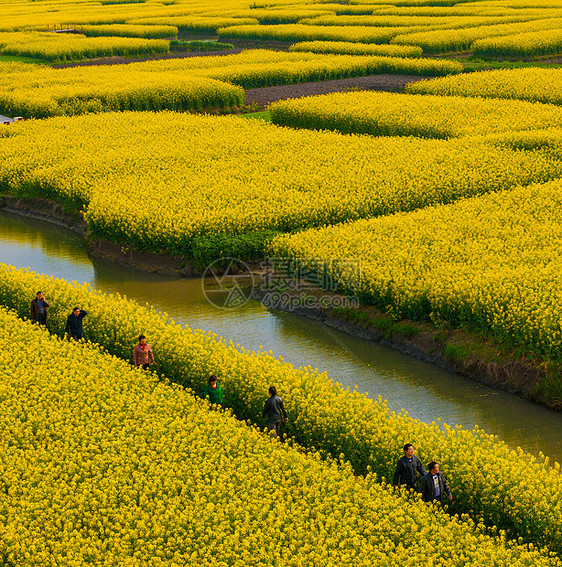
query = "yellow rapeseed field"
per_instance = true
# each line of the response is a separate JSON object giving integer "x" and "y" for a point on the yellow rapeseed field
{"x": 456, "y": 39}
{"x": 68, "y": 47}
{"x": 301, "y": 32}
{"x": 202, "y": 175}
{"x": 486, "y": 477}
{"x": 350, "y": 48}
{"x": 104, "y": 465}
{"x": 34, "y": 91}
{"x": 492, "y": 263}
{"x": 429, "y": 116}
{"x": 179, "y": 84}
{"x": 535, "y": 84}
{"x": 521, "y": 45}
{"x": 129, "y": 30}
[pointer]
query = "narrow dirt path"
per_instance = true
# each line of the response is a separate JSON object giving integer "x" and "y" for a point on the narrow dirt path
{"x": 261, "y": 97}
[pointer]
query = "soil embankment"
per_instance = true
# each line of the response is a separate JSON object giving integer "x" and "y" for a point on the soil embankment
{"x": 451, "y": 349}
{"x": 263, "y": 96}
{"x": 454, "y": 350}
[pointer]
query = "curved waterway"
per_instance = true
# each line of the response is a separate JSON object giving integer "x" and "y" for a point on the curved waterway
{"x": 425, "y": 391}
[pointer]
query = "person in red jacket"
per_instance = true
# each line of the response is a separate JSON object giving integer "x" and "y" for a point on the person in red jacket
{"x": 142, "y": 354}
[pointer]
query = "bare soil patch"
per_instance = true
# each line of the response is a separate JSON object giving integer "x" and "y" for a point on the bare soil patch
{"x": 263, "y": 96}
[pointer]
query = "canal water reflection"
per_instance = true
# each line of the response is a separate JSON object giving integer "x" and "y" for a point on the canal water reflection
{"x": 424, "y": 390}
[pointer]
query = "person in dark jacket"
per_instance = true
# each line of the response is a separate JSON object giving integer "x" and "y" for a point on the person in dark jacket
{"x": 407, "y": 468}
{"x": 39, "y": 311}
{"x": 275, "y": 411}
{"x": 433, "y": 485}
{"x": 213, "y": 391}
{"x": 74, "y": 328}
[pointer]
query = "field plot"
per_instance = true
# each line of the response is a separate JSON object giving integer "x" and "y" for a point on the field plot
{"x": 298, "y": 32}
{"x": 491, "y": 263}
{"x": 388, "y": 114}
{"x": 38, "y": 92}
{"x": 184, "y": 84}
{"x": 127, "y": 470}
{"x": 126, "y": 30}
{"x": 439, "y": 41}
{"x": 521, "y": 45}
{"x": 208, "y": 175}
{"x": 64, "y": 47}
{"x": 538, "y": 85}
{"x": 350, "y": 48}
{"x": 485, "y": 474}
{"x": 418, "y": 23}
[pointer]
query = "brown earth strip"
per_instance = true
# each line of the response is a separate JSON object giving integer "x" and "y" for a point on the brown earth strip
{"x": 263, "y": 96}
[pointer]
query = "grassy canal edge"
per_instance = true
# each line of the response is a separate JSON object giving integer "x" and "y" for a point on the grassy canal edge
{"x": 469, "y": 354}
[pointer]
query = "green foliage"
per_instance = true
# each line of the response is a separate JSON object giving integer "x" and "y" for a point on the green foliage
{"x": 248, "y": 247}
{"x": 198, "y": 45}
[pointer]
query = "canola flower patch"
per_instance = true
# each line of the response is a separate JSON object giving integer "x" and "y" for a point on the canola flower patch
{"x": 67, "y": 47}
{"x": 196, "y": 22}
{"x": 430, "y": 22}
{"x": 127, "y": 30}
{"x": 350, "y": 48}
{"x": 484, "y": 474}
{"x": 33, "y": 91}
{"x": 492, "y": 263}
{"x": 534, "y": 84}
{"x": 301, "y": 32}
{"x": 275, "y": 15}
{"x": 103, "y": 464}
{"x": 202, "y": 175}
{"x": 455, "y": 39}
{"x": 428, "y": 116}
{"x": 179, "y": 84}
{"x": 530, "y": 44}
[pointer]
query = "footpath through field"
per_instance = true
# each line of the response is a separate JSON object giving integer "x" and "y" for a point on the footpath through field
{"x": 265, "y": 95}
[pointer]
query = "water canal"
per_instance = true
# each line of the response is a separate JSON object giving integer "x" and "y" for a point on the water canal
{"x": 425, "y": 391}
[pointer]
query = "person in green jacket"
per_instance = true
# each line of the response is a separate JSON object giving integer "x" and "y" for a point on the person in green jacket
{"x": 213, "y": 391}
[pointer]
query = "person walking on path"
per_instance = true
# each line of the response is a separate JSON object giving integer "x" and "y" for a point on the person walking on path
{"x": 142, "y": 354}
{"x": 39, "y": 312}
{"x": 433, "y": 485}
{"x": 213, "y": 391}
{"x": 275, "y": 411}
{"x": 74, "y": 328}
{"x": 407, "y": 468}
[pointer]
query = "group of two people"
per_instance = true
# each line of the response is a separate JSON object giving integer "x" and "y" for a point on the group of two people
{"x": 74, "y": 327}
{"x": 432, "y": 485}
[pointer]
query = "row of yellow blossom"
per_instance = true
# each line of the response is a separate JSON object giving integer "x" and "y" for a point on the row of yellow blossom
{"x": 202, "y": 175}
{"x": 533, "y": 84}
{"x": 103, "y": 465}
{"x": 428, "y": 116}
{"x": 485, "y": 475}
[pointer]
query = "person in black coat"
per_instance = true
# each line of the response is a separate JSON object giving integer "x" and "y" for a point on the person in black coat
{"x": 39, "y": 309}
{"x": 275, "y": 411}
{"x": 433, "y": 485}
{"x": 407, "y": 469}
{"x": 74, "y": 328}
